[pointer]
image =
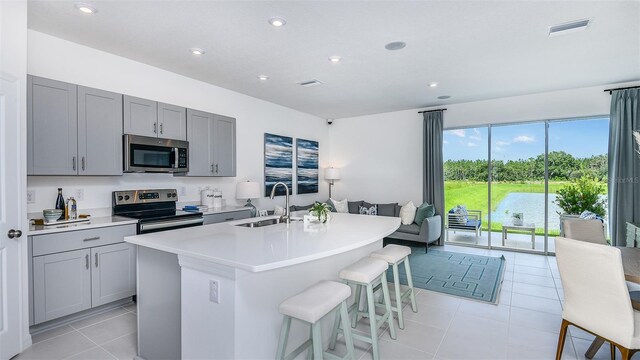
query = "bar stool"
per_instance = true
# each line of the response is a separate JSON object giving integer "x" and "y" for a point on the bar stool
{"x": 367, "y": 273}
{"x": 394, "y": 255}
{"x": 310, "y": 306}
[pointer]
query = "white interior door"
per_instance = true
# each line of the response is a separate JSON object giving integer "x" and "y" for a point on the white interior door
{"x": 10, "y": 232}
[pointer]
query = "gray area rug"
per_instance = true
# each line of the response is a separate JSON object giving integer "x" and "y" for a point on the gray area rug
{"x": 474, "y": 277}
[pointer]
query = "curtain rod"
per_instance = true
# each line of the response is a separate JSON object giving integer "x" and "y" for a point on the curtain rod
{"x": 426, "y": 111}
{"x": 622, "y": 88}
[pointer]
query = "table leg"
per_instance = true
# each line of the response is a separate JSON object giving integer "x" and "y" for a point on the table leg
{"x": 595, "y": 346}
{"x": 533, "y": 239}
{"x": 504, "y": 235}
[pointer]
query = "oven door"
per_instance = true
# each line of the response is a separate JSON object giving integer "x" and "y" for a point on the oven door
{"x": 148, "y": 154}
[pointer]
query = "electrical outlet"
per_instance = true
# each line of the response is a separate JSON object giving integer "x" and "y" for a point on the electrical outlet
{"x": 182, "y": 191}
{"x": 79, "y": 194}
{"x": 214, "y": 291}
{"x": 31, "y": 196}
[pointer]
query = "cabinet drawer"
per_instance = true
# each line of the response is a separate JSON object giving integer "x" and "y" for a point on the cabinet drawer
{"x": 227, "y": 216}
{"x": 81, "y": 239}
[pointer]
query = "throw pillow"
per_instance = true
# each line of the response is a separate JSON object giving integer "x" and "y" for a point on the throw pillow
{"x": 424, "y": 211}
{"x": 278, "y": 210}
{"x": 341, "y": 206}
{"x": 407, "y": 213}
{"x": 372, "y": 210}
{"x": 332, "y": 207}
{"x": 386, "y": 210}
{"x": 354, "y": 206}
{"x": 460, "y": 215}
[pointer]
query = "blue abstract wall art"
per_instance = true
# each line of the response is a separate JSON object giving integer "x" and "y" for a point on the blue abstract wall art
{"x": 307, "y": 166}
{"x": 278, "y": 162}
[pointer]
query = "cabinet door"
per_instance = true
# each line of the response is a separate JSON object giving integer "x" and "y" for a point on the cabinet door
{"x": 113, "y": 274}
{"x": 140, "y": 116}
{"x": 61, "y": 284}
{"x": 224, "y": 146}
{"x": 200, "y": 136}
{"x": 52, "y": 121}
{"x": 99, "y": 132}
{"x": 172, "y": 122}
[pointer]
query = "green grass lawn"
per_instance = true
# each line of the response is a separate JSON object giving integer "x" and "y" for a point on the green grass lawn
{"x": 475, "y": 194}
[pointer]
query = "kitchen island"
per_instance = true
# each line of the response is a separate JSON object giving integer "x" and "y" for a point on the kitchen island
{"x": 222, "y": 302}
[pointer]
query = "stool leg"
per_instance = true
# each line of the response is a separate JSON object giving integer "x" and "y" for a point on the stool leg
{"x": 385, "y": 291}
{"x": 348, "y": 339}
{"x": 336, "y": 327}
{"x": 373, "y": 323}
{"x": 316, "y": 329}
{"x": 396, "y": 285}
{"x": 354, "y": 316}
{"x": 310, "y": 351}
{"x": 412, "y": 294}
{"x": 284, "y": 336}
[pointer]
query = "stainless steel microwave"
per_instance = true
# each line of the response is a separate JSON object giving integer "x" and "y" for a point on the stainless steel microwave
{"x": 150, "y": 154}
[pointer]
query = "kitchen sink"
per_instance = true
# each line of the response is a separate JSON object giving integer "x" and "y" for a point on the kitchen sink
{"x": 260, "y": 223}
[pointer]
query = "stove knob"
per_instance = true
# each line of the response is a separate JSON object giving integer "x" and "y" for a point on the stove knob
{"x": 126, "y": 197}
{"x": 120, "y": 198}
{"x": 175, "y": 195}
{"x": 168, "y": 195}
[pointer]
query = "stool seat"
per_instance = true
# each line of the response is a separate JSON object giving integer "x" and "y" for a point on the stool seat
{"x": 316, "y": 301}
{"x": 392, "y": 253}
{"x": 364, "y": 270}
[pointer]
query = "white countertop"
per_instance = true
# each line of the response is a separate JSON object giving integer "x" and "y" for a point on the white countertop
{"x": 270, "y": 247}
{"x": 95, "y": 222}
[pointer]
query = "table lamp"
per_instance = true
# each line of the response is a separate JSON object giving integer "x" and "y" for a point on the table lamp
{"x": 331, "y": 174}
{"x": 248, "y": 190}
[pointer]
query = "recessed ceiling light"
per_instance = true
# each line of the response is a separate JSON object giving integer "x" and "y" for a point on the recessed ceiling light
{"x": 396, "y": 45}
{"x": 85, "y": 8}
{"x": 277, "y": 21}
{"x": 569, "y": 27}
{"x": 263, "y": 77}
{"x": 197, "y": 51}
{"x": 335, "y": 59}
{"x": 433, "y": 84}
{"x": 444, "y": 97}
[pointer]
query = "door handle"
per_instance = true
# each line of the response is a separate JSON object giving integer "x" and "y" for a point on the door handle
{"x": 161, "y": 131}
{"x": 13, "y": 234}
{"x": 155, "y": 128}
{"x": 86, "y": 261}
{"x": 73, "y": 161}
{"x": 96, "y": 259}
{"x": 83, "y": 163}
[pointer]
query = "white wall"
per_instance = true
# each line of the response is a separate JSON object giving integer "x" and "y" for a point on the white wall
{"x": 380, "y": 155}
{"x": 62, "y": 60}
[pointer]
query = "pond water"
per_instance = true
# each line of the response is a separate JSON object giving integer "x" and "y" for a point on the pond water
{"x": 531, "y": 205}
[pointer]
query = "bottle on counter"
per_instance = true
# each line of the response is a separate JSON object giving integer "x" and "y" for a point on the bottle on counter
{"x": 66, "y": 209}
{"x": 60, "y": 204}
{"x": 73, "y": 209}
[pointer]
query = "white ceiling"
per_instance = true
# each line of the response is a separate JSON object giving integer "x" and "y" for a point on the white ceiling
{"x": 475, "y": 50}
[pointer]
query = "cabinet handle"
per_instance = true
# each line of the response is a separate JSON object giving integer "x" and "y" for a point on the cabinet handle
{"x": 229, "y": 219}
{"x": 211, "y": 167}
{"x": 216, "y": 168}
{"x": 92, "y": 238}
{"x": 161, "y": 131}
{"x": 73, "y": 161}
{"x": 83, "y": 163}
{"x": 155, "y": 128}
{"x": 86, "y": 261}
{"x": 96, "y": 259}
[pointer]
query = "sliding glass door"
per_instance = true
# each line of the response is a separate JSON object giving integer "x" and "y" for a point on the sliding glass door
{"x": 502, "y": 181}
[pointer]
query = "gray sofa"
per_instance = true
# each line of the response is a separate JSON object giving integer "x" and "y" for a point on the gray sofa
{"x": 429, "y": 232}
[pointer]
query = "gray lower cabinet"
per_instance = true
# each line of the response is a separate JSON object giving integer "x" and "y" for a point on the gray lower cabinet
{"x": 99, "y": 132}
{"x": 212, "y": 144}
{"x": 172, "y": 122}
{"x": 77, "y": 270}
{"x": 140, "y": 116}
{"x": 52, "y": 127}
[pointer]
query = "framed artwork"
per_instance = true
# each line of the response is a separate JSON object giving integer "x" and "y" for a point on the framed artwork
{"x": 307, "y": 166}
{"x": 278, "y": 163}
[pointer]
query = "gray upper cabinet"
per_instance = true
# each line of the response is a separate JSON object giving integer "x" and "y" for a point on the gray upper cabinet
{"x": 224, "y": 146}
{"x": 52, "y": 127}
{"x": 140, "y": 116}
{"x": 113, "y": 276}
{"x": 172, "y": 122}
{"x": 212, "y": 144}
{"x": 99, "y": 132}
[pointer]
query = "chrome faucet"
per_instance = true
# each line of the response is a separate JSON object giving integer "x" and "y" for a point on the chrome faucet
{"x": 287, "y": 215}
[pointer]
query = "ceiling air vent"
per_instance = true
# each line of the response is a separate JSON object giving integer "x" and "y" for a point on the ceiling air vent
{"x": 569, "y": 27}
{"x": 310, "y": 83}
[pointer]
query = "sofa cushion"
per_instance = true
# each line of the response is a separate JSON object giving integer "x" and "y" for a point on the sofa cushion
{"x": 424, "y": 211}
{"x": 397, "y": 210}
{"x": 354, "y": 206}
{"x": 410, "y": 229}
{"x": 341, "y": 206}
{"x": 387, "y": 209}
{"x": 371, "y": 210}
{"x": 300, "y": 207}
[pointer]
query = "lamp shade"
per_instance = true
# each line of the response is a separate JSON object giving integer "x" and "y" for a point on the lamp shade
{"x": 332, "y": 173}
{"x": 248, "y": 190}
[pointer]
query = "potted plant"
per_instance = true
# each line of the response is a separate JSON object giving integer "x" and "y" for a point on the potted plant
{"x": 517, "y": 219}
{"x": 321, "y": 211}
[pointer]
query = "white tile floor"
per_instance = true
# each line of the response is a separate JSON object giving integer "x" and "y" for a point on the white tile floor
{"x": 524, "y": 325}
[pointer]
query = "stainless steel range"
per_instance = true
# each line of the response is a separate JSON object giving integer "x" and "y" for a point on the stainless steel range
{"x": 154, "y": 209}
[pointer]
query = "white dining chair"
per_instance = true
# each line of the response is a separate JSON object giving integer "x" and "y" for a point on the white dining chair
{"x": 585, "y": 230}
{"x": 596, "y": 298}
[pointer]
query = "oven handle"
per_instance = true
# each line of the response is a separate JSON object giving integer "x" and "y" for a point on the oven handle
{"x": 169, "y": 223}
{"x": 174, "y": 157}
